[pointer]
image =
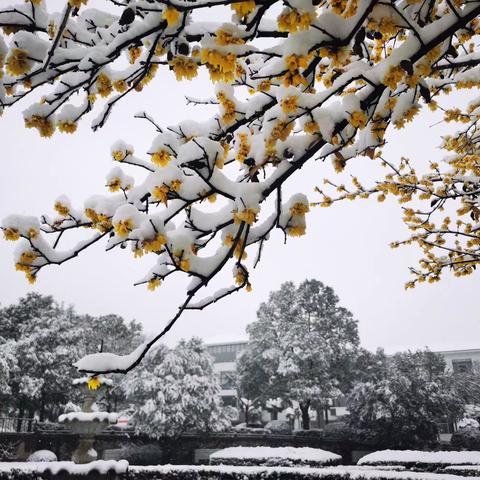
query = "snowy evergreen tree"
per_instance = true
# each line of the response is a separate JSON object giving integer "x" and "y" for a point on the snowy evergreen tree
{"x": 304, "y": 339}
{"x": 404, "y": 408}
{"x": 43, "y": 338}
{"x": 176, "y": 391}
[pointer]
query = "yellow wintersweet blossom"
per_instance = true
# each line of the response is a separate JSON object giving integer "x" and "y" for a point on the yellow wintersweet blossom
{"x": 153, "y": 284}
{"x": 242, "y": 9}
{"x": 133, "y": 54}
{"x": 221, "y": 66}
{"x": 66, "y": 126}
{"x": 11, "y": 234}
{"x": 358, "y": 120}
{"x": 184, "y": 67}
{"x": 296, "y": 231}
{"x": 161, "y": 158}
{"x": 94, "y": 383}
{"x": 229, "y": 113}
{"x": 289, "y": 104}
{"x": 311, "y": 127}
{"x": 44, "y": 125}
{"x": 18, "y": 62}
{"x": 394, "y": 75}
{"x": 247, "y": 215}
{"x": 155, "y": 244}
{"x": 160, "y": 193}
{"x": 61, "y": 209}
{"x": 104, "y": 85}
{"x": 244, "y": 148}
{"x": 120, "y": 86}
{"x": 123, "y": 227}
{"x": 294, "y": 20}
{"x": 171, "y": 15}
{"x": 28, "y": 257}
{"x": 299, "y": 209}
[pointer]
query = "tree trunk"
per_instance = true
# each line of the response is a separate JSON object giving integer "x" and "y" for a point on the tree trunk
{"x": 247, "y": 415}
{"x": 326, "y": 415}
{"x": 305, "y": 416}
{"x": 320, "y": 417}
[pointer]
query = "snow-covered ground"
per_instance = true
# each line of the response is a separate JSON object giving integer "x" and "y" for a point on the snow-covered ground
{"x": 416, "y": 456}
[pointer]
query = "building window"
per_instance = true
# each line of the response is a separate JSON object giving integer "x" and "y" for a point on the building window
{"x": 462, "y": 366}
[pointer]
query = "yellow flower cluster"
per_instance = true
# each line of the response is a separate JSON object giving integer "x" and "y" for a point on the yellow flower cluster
{"x": 161, "y": 157}
{"x": 121, "y": 155}
{"x": 311, "y": 127}
{"x": 182, "y": 261}
{"x": 11, "y": 234}
{"x": 104, "y": 85}
{"x": 393, "y": 77}
{"x": 120, "y": 85}
{"x": 224, "y": 38}
{"x": 293, "y": 21}
{"x": 18, "y": 62}
{"x": 242, "y": 9}
{"x": 228, "y": 115}
{"x": 239, "y": 248}
{"x": 280, "y": 131}
{"x": 247, "y": 215}
{"x": 93, "y": 383}
{"x": 123, "y": 227}
{"x": 244, "y": 148}
{"x": 160, "y": 193}
{"x": 299, "y": 209}
{"x": 358, "y": 120}
{"x": 344, "y": 8}
{"x": 156, "y": 244}
{"x": 289, "y": 104}
{"x": 27, "y": 269}
{"x": 66, "y": 126}
{"x": 171, "y": 15}
{"x": 100, "y": 221}
{"x": 134, "y": 54}
{"x": 44, "y": 125}
{"x": 220, "y": 66}
{"x": 153, "y": 284}
{"x": 294, "y": 63}
{"x": 184, "y": 67}
{"x": 407, "y": 116}
{"x": 62, "y": 209}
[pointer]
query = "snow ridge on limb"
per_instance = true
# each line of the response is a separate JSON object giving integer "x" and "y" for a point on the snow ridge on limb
{"x": 337, "y": 74}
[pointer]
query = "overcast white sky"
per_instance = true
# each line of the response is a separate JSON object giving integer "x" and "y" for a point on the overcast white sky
{"x": 346, "y": 246}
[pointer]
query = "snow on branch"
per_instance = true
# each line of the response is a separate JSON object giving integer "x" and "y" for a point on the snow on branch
{"x": 332, "y": 77}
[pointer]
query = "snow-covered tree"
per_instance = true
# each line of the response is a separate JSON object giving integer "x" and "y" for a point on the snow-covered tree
{"x": 294, "y": 82}
{"x": 42, "y": 340}
{"x": 175, "y": 391}
{"x": 404, "y": 408}
{"x": 303, "y": 339}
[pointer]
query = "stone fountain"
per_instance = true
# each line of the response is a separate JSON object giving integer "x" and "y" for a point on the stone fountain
{"x": 88, "y": 423}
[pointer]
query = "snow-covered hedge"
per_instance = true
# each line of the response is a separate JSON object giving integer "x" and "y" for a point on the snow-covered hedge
{"x": 205, "y": 472}
{"x": 464, "y": 470}
{"x": 419, "y": 460}
{"x": 281, "y": 456}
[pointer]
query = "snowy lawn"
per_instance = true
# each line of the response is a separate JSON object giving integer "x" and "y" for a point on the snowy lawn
{"x": 416, "y": 457}
{"x": 281, "y": 456}
{"x": 26, "y": 471}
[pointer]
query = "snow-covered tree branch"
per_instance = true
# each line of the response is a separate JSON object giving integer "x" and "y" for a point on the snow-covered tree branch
{"x": 295, "y": 81}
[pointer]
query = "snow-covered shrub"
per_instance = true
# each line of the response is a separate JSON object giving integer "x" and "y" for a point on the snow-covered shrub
{"x": 466, "y": 438}
{"x": 42, "y": 456}
{"x": 312, "y": 432}
{"x": 420, "y": 460}
{"x": 268, "y": 456}
{"x": 279, "y": 426}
